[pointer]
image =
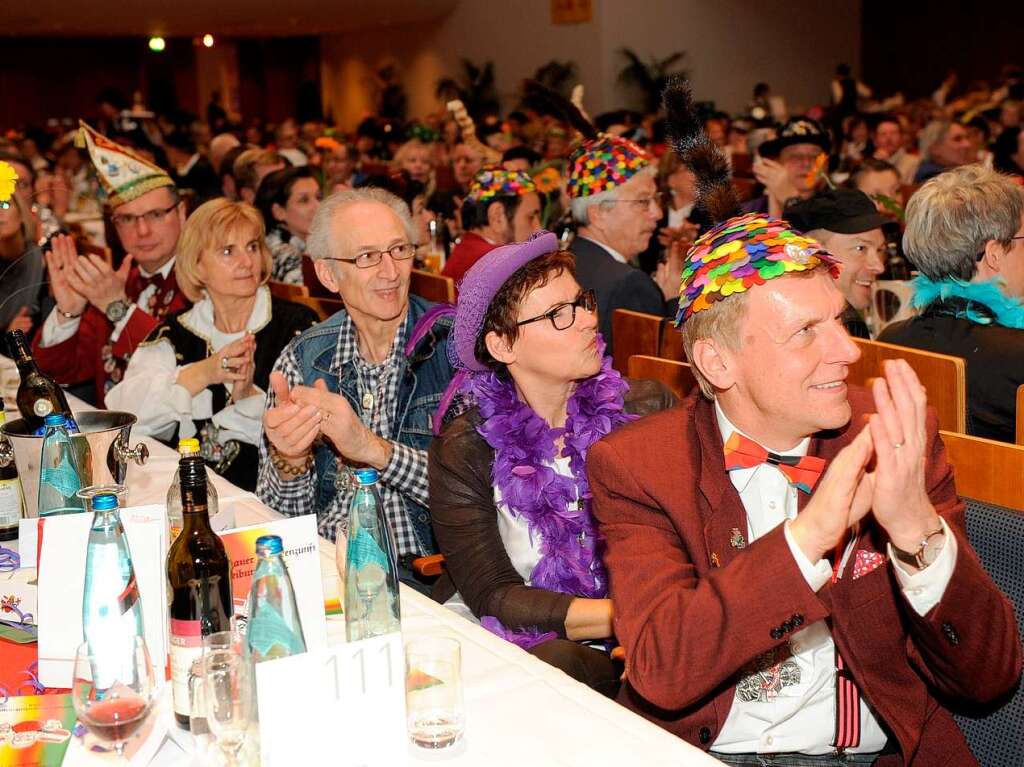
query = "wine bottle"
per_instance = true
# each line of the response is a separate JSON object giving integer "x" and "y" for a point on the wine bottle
{"x": 199, "y": 577}
{"x": 38, "y": 395}
{"x": 189, "y": 446}
{"x": 12, "y": 499}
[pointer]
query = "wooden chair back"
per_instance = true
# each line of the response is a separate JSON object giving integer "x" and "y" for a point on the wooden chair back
{"x": 287, "y": 291}
{"x": 986, "y": 470}
{"x": 891, "y": 301}
{"x": 432, "y": 287}
{"x": 677, "y": 376}
{"x": 1020, "y": 416}
{"x": 943, "y": 377}
{"x": 634, "y": 333}
{"x": 671, "y": 345}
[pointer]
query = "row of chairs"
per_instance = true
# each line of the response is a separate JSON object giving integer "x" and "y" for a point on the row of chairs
{"x": 943, "y": 376}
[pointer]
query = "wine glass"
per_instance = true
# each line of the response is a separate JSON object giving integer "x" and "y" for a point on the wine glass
{"x": 113, "y": 691}
{"x": 370, "y": 581}
{"x": 227, "y": 693}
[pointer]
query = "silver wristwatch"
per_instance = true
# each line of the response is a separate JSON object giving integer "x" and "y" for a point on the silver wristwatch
{"x": 116, "y": 310}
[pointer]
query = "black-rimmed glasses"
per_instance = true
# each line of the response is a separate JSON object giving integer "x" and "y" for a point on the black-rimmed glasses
{"x": 1015, "y": 237}
{"x": 151, "y": 217}
{"x": 371, "y": 258}
{"x": 563, "y": 316}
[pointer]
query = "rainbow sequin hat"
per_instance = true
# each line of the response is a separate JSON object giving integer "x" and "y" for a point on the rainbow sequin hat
{"x": 125, "y": 176}
{"x": 604, "y": 163}
{"x": 498, "y": 182}
{"x": 740, "y": 253}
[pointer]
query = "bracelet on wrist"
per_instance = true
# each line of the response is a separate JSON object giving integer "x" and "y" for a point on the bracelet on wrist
{"x": 68, "y": 315}
{"x": 288, "y": 469}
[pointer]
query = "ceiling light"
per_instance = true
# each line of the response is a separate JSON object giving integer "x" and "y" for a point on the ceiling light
{"x": 157, "y": 44}
{"x": 208, "y": 41}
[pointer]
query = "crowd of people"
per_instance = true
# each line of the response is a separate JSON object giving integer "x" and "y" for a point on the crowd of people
{"x": 777, "y": 565}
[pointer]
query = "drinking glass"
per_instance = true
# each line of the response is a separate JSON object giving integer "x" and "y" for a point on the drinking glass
{"x": 227, "y": 695}
{"x": 435, "y": 713}
{"x": 115, "y": 712}
{"x": 340, "y": 555}
{"x": 90, "y": 492}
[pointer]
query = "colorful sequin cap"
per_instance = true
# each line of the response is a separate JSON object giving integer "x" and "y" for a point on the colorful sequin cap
{"x": 742, "y": 252}
{"x": 124, "y": 175}
{"x": 604, "y": 163}
{"x": 498, "y": 182}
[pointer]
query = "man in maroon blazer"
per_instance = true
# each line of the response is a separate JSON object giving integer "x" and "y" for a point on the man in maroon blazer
{"x": 791, "y": 578}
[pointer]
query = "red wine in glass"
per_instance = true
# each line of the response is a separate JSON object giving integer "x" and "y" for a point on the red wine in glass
{"x": 114, "y": 720}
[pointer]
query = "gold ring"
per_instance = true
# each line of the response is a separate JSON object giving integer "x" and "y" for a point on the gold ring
{"x": 897, "y": 446}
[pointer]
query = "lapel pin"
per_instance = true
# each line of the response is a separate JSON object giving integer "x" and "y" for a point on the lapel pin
{"x": 736, "y": 539}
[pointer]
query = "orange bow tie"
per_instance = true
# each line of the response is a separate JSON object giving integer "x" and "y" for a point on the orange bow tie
{"x": 743, "y": 453}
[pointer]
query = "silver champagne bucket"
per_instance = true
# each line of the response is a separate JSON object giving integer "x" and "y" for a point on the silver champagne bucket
{"x": 101, "y": 449}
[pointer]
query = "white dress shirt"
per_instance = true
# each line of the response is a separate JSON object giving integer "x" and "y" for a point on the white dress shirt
{"x": 798, "y": 714}
{"x": 612, "y": 251}
{"x": 150, "y": 389}
{"x": 56, "y": 332}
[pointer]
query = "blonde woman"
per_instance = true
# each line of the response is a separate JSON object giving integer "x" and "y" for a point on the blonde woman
{"x": 204, "y": 372}
{"x": 417, "y": 159}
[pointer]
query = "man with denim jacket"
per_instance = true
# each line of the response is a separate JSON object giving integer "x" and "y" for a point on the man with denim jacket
{"x": 345, "y": 393}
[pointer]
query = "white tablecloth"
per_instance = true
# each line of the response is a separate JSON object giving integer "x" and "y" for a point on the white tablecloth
{"x": 520, "y": 711}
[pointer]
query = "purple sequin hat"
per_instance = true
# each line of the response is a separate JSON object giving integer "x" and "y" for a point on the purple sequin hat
{"x": 478, "y": 288}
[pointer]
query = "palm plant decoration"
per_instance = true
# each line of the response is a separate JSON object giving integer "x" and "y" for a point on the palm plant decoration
{"x": 650, "y": 78}
{"x": 559, "y": 76}
{"x": 475, "y": 89}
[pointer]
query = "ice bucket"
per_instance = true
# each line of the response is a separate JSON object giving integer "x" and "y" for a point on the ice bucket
{"x": 101, "y": 449}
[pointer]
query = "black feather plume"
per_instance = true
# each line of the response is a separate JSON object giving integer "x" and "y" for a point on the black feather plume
{"x": 544, "y": 100}
{"x": 715, "y": 192}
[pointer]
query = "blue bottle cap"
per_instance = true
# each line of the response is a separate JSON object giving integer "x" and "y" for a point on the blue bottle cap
{"x": 104, "y": 501}
{"x": 55, "y": 419}
{"x": 268, "y": 544}
{"x": 366, "y": 476}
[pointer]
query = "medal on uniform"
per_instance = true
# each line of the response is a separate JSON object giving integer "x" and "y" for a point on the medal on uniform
{"x": 367, "y": 401}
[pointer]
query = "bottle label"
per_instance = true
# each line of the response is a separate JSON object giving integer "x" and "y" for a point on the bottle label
{"x": 186, "y": 647}
{"x": 269, "y": 634}
{"x": 10, "y": 502}
{"x": 42, "y": 407}
{"x": 129, "y": 597}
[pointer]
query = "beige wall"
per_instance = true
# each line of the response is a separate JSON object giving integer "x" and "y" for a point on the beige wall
{"x": 730, "y": 45}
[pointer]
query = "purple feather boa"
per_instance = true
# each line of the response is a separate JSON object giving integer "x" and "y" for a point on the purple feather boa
{"x": 571, "y": 548}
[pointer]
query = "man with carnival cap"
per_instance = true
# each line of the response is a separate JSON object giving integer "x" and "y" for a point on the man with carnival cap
{"x": 614, "y": 202}
{"x": 103, "y": 313}
{"x": 508, "y": 487}
{"x": 502, "y": 207}
{"x": 789, "y": 569}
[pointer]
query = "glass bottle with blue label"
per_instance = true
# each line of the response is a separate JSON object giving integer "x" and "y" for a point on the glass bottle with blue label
{"x": 274, "y": 629}
{"x": 60, "y": 477}
{"x": 371, "y": 571}
{"x": 111, "y": 606}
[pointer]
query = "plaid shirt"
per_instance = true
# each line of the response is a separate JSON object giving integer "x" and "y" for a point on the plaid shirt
{"x": 406, "y": 472}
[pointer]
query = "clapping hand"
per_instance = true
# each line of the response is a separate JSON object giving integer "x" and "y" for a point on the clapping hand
{"x": 775, "y": 178}
{"x": 229, "y": 364}
{"x": 60, "y": 261}
{"x": 342, "y": 426}
{"x": 291, "y": 427}
{"x": 22, "y": 321}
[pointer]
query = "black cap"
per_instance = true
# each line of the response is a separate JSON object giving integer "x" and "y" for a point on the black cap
{"x": 844, "y": 211}
{"x": 799, "y": 130}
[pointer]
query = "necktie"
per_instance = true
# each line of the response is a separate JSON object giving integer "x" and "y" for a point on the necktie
{"x": 743, "y": 453}
{"x": 137, "y": 283}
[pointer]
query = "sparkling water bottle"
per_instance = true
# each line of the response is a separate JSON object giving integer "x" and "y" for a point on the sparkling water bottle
{"x": 274, "y": 629}
{"x": 111, "y": 607}
{"x": 60, "y": 477}
{"x": 371, "y": 572}
{"x": 175, "y": 520}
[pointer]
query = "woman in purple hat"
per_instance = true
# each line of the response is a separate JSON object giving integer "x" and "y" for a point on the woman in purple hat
{"x": 509, "y": 497}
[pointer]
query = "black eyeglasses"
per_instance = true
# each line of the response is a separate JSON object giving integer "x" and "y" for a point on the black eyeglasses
{"x": 564, "y": 315}
{"x": 371, "y": 258}
{"x": 151, "y": 217}
{"x": 1015, "y": 237}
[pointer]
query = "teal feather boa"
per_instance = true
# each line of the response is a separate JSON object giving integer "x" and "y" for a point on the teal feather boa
{"x": 1008, "y": 311}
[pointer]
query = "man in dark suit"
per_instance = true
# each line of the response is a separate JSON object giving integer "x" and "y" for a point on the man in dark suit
{"x": 614, "y": 201}
{"x": 789, "y": 570}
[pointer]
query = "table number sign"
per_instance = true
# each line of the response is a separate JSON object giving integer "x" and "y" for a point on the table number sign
{"x": 347, "y": 700}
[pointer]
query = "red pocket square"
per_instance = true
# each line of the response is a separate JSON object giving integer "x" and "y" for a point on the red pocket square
{"x": 867, "y": 561}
